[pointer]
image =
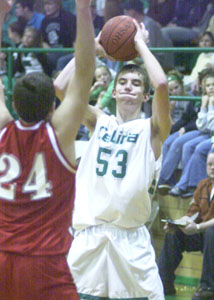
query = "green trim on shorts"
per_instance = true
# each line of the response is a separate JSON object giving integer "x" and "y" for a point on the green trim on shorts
{"x": 89, "y": 297}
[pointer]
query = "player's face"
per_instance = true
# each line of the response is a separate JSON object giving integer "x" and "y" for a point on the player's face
{"x": 210, "y": 165}
{"x": 101, "y": 74}
{"x": 209, "y": 86}
{"x": 129, "y": 90}
{"x": 175, "y": 88}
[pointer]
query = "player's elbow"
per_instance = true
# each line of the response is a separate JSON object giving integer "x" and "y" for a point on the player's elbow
{"x": 162, "y": 84}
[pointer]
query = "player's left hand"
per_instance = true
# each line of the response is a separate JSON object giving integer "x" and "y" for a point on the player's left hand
{"x": 142, "y": 33}
{"x": 100, "y": 51}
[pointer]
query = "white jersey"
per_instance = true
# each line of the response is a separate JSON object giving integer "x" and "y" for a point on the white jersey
{"x": 117, "y": 175}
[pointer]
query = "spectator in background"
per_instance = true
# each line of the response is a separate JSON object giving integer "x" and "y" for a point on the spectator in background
{"x": 25, "y": 9}
{"x": 195, "y": 235}
{"x": 58, "y": 29}
{"x": 161, "y": 11}
{"x": 98, "y": 20}
{"x": 134, "y": 8}
{"x": 100, "y": 4}
{"x": 176, "y": 88}
{"x": 191, "y": 17}
{"x": 9, "y": 18}
{"x": 29, "y": 62}
{"x": 16, "y": 30}
{"x": 103, "y": 78}
{"x": 205, "y": 60}
{"x": 182, "y": 131}
{"x": 112, "y": 9}
{"x": 192, "y": 170}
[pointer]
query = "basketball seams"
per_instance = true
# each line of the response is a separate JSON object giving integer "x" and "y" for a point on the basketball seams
{"x": 117, "y": 38}
{"x": 113, "y": 28}
{"x": 133, "y": 32}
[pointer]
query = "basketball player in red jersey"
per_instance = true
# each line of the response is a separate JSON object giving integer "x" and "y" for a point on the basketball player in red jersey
{"x": 37, "y": 175}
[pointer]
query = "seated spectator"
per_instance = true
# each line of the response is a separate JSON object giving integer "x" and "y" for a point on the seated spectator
{"x": 197, "y": 235}
{"x": 205, "y": 60}
{"x": 181, "y": 131}
{"x": 31, "y": 61}
{"x": 176, "y": 88}
{"x": 58, "y": 30}
{"x": 103, "y": 78}
{"x": 15, "y": 31}
{"x": 161, "y": 11}
{"x": 25, "y": 9}
{"x": 191, "y": 18}
{"x": 193, "y": 170}
{"x": 10, "y": 18}
{"x": 135, "y": 9}
{"x": 112, "y": 9}
{"x": 98, "y": 21}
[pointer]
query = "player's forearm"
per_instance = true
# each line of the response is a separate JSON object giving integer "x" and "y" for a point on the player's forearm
{"x": 84, "y": 46}
{"x": 153, "y": 67}
{"x": 62, "y": 80}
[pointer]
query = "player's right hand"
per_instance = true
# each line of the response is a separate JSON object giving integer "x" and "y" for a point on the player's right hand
{"x": 142, "y": 33}
{"x": 100, "y": 51}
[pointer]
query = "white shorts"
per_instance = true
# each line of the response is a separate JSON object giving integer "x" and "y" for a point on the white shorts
{"x": 111, "y": 262}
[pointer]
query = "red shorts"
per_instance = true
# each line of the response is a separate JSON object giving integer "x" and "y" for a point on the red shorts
{"x": 35, "y": 278}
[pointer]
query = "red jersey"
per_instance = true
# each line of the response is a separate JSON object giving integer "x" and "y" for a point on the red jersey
{"x": 37, "y": 186}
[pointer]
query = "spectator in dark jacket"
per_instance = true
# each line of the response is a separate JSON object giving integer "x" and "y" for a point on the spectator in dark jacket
{"x": 58, "y": 29}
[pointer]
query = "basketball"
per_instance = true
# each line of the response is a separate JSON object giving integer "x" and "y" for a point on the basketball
{"x": 117, "y": 38}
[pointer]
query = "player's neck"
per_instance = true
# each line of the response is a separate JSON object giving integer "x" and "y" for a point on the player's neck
{"x": 124, "y": 116}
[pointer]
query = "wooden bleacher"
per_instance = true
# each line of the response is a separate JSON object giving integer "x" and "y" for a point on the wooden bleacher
{"x": 175, "y": 207}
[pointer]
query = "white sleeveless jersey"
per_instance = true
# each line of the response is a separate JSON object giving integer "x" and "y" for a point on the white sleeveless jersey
{"x": 117, "y": 175}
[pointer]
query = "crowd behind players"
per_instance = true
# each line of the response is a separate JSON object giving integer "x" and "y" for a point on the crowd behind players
{"x": 171, "y": 23}
{"x": 45, "y": 24}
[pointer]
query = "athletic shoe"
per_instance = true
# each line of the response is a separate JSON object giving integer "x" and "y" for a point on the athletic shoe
{"x": 203, "y": 294}
{"x": 188, "y": 193}
{"x": 163, "y": 189}
{"x": 175, "y": 191}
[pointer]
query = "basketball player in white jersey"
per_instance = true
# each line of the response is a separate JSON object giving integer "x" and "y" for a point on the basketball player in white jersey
{"x": 112, "y": 256}
{"x": 37, "y": 175}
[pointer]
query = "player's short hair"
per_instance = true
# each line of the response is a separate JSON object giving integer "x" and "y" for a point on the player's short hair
{"x": 33, "y": 96}
{"x": 134, "y": 68}
{"x": 26, "y": 3}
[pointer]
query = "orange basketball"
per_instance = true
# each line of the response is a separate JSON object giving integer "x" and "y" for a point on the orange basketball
{"x": 117, "y": 38}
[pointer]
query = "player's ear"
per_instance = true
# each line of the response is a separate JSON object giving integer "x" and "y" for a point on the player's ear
{"x": 113, "y": 93}
{"x": 146, "y": 97}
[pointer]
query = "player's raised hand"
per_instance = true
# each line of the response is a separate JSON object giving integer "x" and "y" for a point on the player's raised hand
{"x": 100, "y": 51}
{"x": 142, "y": 33}
{"x": 83, "y": 3}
